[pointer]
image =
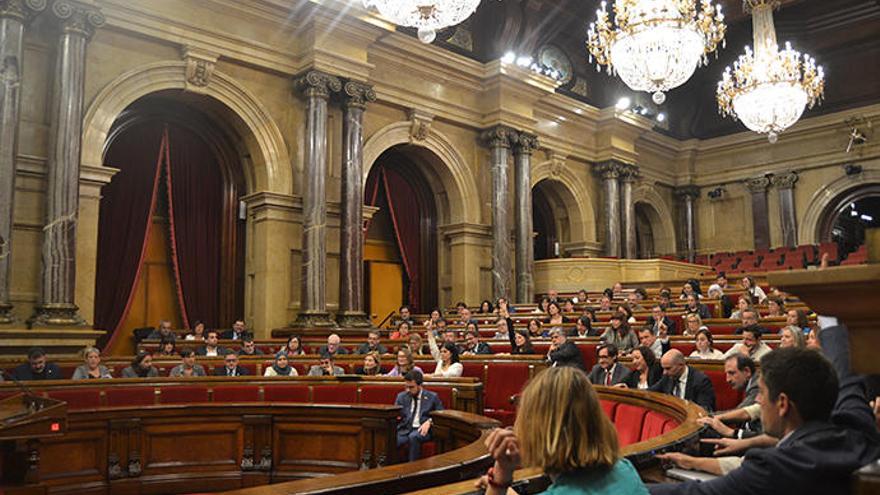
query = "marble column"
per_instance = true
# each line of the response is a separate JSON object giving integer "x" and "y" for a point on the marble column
{"x": 316, "y": 87}
{"x": 77, "y": 22}
{"x": 499, "y": 140}
{"x": 784, "y": 183}
{"x": 351, "y": 260}
{"x": 688, "y": 196}
{"x": 628, "y": 178}
{"x": 610, "y": 172}
{"x": 14, "y": 15}
{"x": 757, "y": 186}
{"x": 525, "y": 247}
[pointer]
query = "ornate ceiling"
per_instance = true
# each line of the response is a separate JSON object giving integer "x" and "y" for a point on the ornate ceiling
{"x": 842, "y": 35}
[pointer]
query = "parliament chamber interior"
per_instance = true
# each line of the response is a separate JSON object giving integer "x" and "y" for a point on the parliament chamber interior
{"x": 269, "y": 247}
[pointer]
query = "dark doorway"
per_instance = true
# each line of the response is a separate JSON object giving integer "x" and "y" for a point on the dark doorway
{"x": 544, "y": 225}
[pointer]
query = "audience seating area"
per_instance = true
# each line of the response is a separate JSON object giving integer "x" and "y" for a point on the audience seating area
{"x": 766, "y": 260}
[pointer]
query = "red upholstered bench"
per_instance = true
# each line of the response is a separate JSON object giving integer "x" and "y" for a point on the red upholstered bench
{"x": 237, "y": 393}
{"x": 78, "y": 399}
{"x": 609, "y": 407}
{"x": 184, "y": 394}
{"x": 588, "y": 351}
{"x": 286, "y": 393}
{"x": 686, "y": 348}
{"x": 503, "y": 381}
{"x": 380, "y": 394}
{"x": 335, "y": 394}
{"x": 656, "y": 424}
{"x": 130, "y": 396}
{"x": 250, "y": 366}
{"x": 445, "y": 395}
{"x": 474, "y": 370}
{"x": 629, "y": 419}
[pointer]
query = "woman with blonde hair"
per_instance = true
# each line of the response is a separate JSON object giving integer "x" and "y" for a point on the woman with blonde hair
{"x": 792, "y": 336}
{"x": 560, "y": 428}
{"x": 92, "y": 367}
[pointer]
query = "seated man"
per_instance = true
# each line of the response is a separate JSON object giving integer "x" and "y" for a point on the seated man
{"x": 326, "y": 367}
{"x": 472, "y": 344}
{"x": 37, "y": 367}
{"x": 211, "y": 347}
{"x": 332, "y": 348}
{"x": 450, "y": 335}
{"x": 685, "y": 382}
{"x": 465, "y": 317}
{"x": 248, "y": 346}
{"x": 416, "y": 405}
{"x": 164, "y": 331}
{"x": 751, "y": 345}
{"x": 648, "y": 339}
{"x": 659, "y": 322}
{"x": 819, "y": 411}
{"x": 748, "y": 317}
{"x": 741, "y": 375}
{"x": 562, "y": 351}
{"x": 231, "y": 367}
{"x": 237, "y": 331}
{"x": 608, "y": 372}
{"x": 372, "y": 344}
{"x": 404, "y": 314}
{"x": 187, "y": 366}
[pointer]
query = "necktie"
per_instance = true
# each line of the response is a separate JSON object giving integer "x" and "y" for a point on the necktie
{"x": 676, "y": 390}
{"x": 608, "y": 377}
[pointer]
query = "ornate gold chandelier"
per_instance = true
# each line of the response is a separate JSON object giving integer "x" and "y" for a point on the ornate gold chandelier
{"x": 657, "y": 44}
{"x": 769, "y": 88}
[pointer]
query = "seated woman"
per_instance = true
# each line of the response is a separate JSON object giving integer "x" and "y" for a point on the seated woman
{"x": 197, "y": 333}
{"x": 693, "y": 324}
{"x": 555, "y": 311}
{"x": 404, "y": 364}
{"x": 188, "y": 366}
{"x": 416, "y": 345}
{"x": 620, "y": 334}
{"x": 798, "y": 318}
{"x": 646, "y": 369}
{"x": 448, "y": 365}
{"x": 694, "y": 306}
{"x": 521, "y": 344}
{"x": 704, "y": 349}
{"x": 93, "y": 367}
{"x": 792, "y": 336}
{"x": 281, "y": 367}
{"x": 536, "y": 330}
{"x": 293, "y": 347}
{"x": 402, "y": 332}
{"x": 543, "y": 307}
{"x": 561, "y": 428}
{"x": 167, "y": 347}
{"x": 584, "y": 328}
{"x": 372, "y": 365}
{"x": 742, "y": 304}
{"x": 141, "y": 366}
{"x": 486, "y": 307}
{"x": 755, "y": 293}
{"x": 776, "y": 308}
{"x": 627, "y": 310}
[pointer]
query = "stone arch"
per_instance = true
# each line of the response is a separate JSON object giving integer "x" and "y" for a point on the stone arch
{"x": 573, "y": 193}
{"x": 440, "y": 160}
{"x": 268, "y": 167}
{"x": 826, "y": 198}
{"x": 660, "y": 217}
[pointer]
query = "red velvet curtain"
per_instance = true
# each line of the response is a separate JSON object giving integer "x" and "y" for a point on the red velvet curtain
{"x": 195, "y": 204}
{"x": 124, "y": 220}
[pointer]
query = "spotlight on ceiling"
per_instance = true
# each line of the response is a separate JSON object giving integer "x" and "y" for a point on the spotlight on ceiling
{"x": 623, "y": 103}
{"x": 661, "y": 117}
{"x": 508, "y": 58}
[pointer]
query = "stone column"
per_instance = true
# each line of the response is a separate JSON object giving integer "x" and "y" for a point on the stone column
{"x": 628, "y": 177}
{"x": 525, "y": 247}
{"x": 316, "y": 87}
{"x": 610, "y": 172}
{"x": 14, "y": 15}
{"x": 757, "y": 186}
{"x": 351, "y": 259}
{"x": 77, "y": 22}
{"x": 688, "y": 195}
{"x": 499, "y": 139}
{"x": 788, "y": 220}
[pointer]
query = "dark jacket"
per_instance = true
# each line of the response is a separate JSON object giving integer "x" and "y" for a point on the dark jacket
{"x": 322, "y": 351}
{"x": 670, "y": 325}
{"x": 365, "y": 348}
{"x": 231, "y": 335}
{"x": 24, "y": 372}
{"x": 819, "y": 457}
{"x": 482, "y": 348}
{"x": 701, "y": 310}
{"x": 698, "y": 388}
{"x": 655, "y": 374}
{"x": 619, "y": 374}
{"x": 430, "y": 402}
{"x": 568, "y": 354}
{"x": 203, "y": 351}
{"x": 239, "y": 371}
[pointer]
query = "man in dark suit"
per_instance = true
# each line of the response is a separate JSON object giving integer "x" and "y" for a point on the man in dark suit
{"x": 231, "y": 367}
{"x": 660, "y": 323}
{"x": 372, "y": 344}
{"x": 416, "y": 405}
{"x": 472, "y": 344}
{"x": 563, "y": 352}
{"x": 741, "y": 375}
{"x": 819, "y": 411}
{"x": 608, "y": 372}
{"x": 212, "y": 347}
{"x": 237, "y": 331}
{"x": 37, "y": 367}
{"x": 685, "y": 382}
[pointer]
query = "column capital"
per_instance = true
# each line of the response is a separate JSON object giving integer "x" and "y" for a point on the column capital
{"x": 22, "y": 10}
{"x": 610, "y": 169}
{"x": 525, "y": 142}
{"x": 314, "y": 83}
{"x": 499, "y": 136}
{"x": 757, "y": 184}
{"x": 785, "y": 180}
{"x": 76, "y": 17}
{"x": 629, "y": 173}
{"x": 357, "y": 94}
{"x": 687, "y": 192}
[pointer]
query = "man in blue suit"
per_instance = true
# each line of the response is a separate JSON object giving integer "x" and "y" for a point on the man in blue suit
{"x": 416, "y": 405}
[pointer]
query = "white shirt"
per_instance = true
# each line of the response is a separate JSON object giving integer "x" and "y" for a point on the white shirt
{"x": 418, "y": 412}
{"x": 210, "y": 352}
{"x": 682, "y": 383}
{"x": 454, "y": 370}
{"x": 713, "y": 354}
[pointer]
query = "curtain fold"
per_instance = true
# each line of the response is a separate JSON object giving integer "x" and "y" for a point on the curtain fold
{"x": 124, "y": 222}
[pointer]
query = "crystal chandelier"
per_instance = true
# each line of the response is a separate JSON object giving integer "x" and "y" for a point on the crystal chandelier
{"x": 657, "y": 44}
{"x": 768, "y": 88}
{"x": 426, "y": 15}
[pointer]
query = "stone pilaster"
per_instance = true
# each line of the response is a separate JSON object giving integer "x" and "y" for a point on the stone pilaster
{"x": 610, "y": 171}
{"x": 784, "y": 184}
{"x": 524, "y": 248}
{"x": 499, "y": 140}
{"x": 351, "y": 258}
{"x": 628, "y": 178}
{"x": 757, "y": 186}
{"x": 14, "y": 16}
{"x": 316, "y": 88}
{"x": 688, "y": 196}
{"x": 77, "y": 22}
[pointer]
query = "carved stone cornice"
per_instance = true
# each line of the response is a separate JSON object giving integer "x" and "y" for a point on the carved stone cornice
{"x": 687, "y": 192}
{"x": 318, "y": 84}
{"x": 784, "y": 181}
{"x": 610, "y": 169}
{"x": 420, "y": 124}
{"x": 629, "y": 173}
{"x": 22, "y": 10}
{"x": 77, "y": 17}
{"x": 525, "y": 143}
{"x": 357, "y": 95}
{"x": 500, "y": 136}
{"x": 199, "y": 66}
{"x": 757, "y": 185}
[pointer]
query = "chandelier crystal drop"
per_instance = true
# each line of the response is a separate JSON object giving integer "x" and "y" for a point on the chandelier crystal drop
{"x": 768, "y": 88}
{"x": 427, "y": 16}
{"x": 657, "y": 44}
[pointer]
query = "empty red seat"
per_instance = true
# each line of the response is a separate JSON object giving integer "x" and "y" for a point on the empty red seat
{"x": 237, "y": 393}
{"x": 609, "y": 406}
{"x": 130, "y": 396}
{"x": 474, "y": 370}
{"x": 183, "y": 394}
{"x": 653, "y": 425}
{"x": 503, "y": 381}
{"x": 628, "y": 419}
{"x": 445, "y": 395}
{"x": 334, "y": 394}
{"x": 79, "y": 398}
{"x": 380, "y": 394}
{"x": 286, "y": 393}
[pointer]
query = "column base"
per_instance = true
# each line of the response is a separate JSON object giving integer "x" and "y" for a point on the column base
{"x": 310, "y": 319}
{"x": 7, "y": 317}
{"x": 57, "y": 315}
{"x": 354, "y": 319}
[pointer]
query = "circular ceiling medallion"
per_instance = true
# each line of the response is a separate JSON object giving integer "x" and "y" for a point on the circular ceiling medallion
{"x": 552, "y": 56}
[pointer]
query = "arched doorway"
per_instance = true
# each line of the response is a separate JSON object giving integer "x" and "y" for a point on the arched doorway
{"x": 645, "y": 247}
{"x": 401, "y": 254}
{"x": 847, "y": 216}
{"x": 170, "y": 239}
{"x": 552, "y": 223}
{"x": 544, "y": 226}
